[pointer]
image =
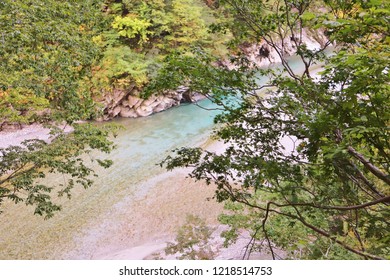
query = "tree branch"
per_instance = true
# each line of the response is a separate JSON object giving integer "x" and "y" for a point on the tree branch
{"x": 371, "y": 167}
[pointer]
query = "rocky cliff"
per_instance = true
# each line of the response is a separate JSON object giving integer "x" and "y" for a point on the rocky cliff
{"x": 262, "y": 54}
{"x": 127, "y": 104}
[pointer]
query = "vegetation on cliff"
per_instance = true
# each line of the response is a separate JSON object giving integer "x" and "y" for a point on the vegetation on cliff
{"x": 47, "y": 58}
{"x": 62, "y": 56}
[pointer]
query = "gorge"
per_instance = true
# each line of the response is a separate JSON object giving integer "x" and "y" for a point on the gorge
{"x": 97, "y": 222}
{"x": 92, "y": 66}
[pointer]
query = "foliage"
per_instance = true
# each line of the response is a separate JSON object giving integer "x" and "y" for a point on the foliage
{"x": 47, "y": 52}
{"x": 64, "y": 55}
{"x": 192, "y": 241}
{"x": 20, "y": 107}
{"x": 131, "y": 26}
{"x": 199, "y": 73}
{"x": 121, "y": 67}
{"x": 187, "y": 26}
{"x": 305, "y": 154}
{"x": 23, "y": 168}
{"x": 151, "y": 30}
{"x": 57, "y": 56}
{"x": 177, "y": 24}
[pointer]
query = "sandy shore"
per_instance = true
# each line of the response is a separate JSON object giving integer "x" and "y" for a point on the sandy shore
{"x": 153, "y": 220}
{"x": 33, "y": 131}
{"x": 154, "y": 217}
{"x": 15, "y": 137}
{"x": 139, "y": 226}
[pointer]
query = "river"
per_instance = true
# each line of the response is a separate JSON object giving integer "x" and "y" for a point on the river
{"x": 132, "y": 203}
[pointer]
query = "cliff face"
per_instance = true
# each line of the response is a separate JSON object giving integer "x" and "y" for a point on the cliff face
{"x": 125, "y": 103}
{"x": 262, "y": 55}
{"x": 122, "y": 103}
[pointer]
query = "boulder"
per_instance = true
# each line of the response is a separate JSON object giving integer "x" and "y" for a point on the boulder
{"x": 133, "y": 100}
{"x": 138, "y": 104}
{"x": 117, "y": 96}
{"x": 126, "y": 112}
{"x": 144, "y": 111}
{"x": 149, "y": 101}
{"x": 169, "y": 102}
{"x": 159, "y": 108}
{"x": 115, "y": 112}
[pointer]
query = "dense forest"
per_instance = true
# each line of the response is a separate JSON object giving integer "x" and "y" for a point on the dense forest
{"x": 325, "y": 197}
{"x": 59, "y": 59}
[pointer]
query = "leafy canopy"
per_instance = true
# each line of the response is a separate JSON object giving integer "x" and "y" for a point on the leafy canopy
{"x": 306, "y": 164}
{"x": 143, "y": 33}
{"x": 23, "y": 168}
{"x": 47, "y": 57}
{"x": 47, "y": 54}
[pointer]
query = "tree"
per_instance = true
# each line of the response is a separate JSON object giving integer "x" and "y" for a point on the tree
{"x": 187, "y": 27}
{"x": 192, "y": 241}
{"x": 144, "y": 32}
{"x": 46, "y": 60}
{"x": 47, "y": 53}
{"x": 23, "y": 168}
{"x": 307, "y": 157}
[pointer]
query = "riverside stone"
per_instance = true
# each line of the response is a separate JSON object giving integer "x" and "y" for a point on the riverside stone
{"x": 149, "y": 101}
{"x": 133, "y": 100}
{"x": 138, "y": 104}
{"x": 116, "y": 111}
{"x": 117, "y": 96}
{"x": 126, "y": 112}
{"x": 144, "y": 111}
{"x": 160, "y": 107}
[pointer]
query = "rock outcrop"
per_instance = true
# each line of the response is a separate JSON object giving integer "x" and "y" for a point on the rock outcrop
{"x": 261, "y": 54}
{"x": 126, "y": 103}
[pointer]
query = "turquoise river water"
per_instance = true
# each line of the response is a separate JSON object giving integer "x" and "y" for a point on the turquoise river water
{"x": 94, "y": 221}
